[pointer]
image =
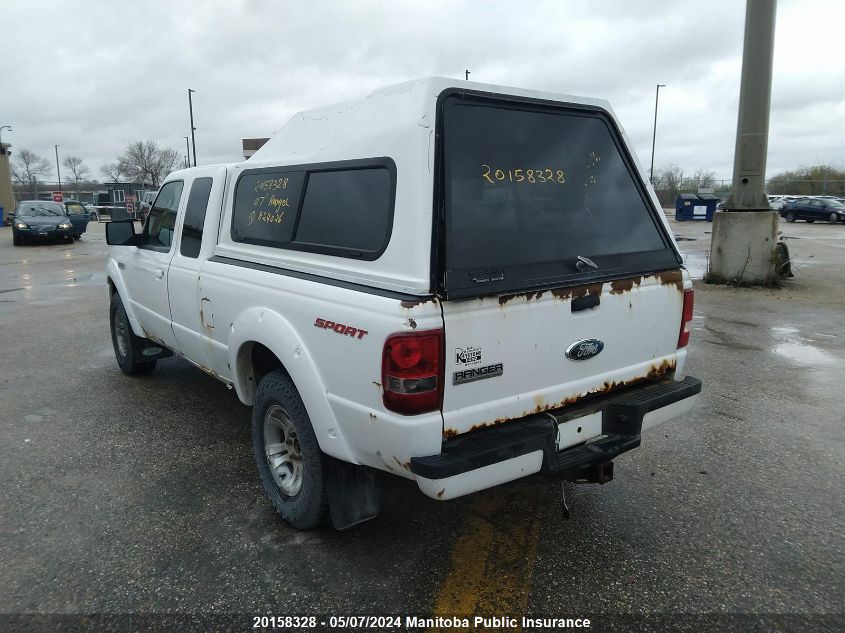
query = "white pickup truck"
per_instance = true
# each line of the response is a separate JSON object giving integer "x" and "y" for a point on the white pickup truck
{"x": 458, "y": 283}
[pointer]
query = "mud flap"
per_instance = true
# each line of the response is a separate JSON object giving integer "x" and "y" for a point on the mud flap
{"x": 353, "y": 493}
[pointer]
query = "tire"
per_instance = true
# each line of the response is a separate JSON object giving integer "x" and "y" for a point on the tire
{"x": 16, "y": 240}
{"x": 127, "y": 346}
{"x": 790, "y": 216}
{"x": 833, "y": 218}
{"x": 289, "y": 460}
{"x": 810, "y": 221}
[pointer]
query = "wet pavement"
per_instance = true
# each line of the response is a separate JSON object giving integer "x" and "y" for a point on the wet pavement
{"x": 140, "y": 494}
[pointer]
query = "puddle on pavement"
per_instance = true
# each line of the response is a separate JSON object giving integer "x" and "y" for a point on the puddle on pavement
{"x": 696, "y": 264}
{"x": 801, "y": 351}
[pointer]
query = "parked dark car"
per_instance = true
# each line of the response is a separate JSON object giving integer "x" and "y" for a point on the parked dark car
{"x": 40, "y": 220}
{"x": 812, "y": 209}
{"x": 79, "y": 216}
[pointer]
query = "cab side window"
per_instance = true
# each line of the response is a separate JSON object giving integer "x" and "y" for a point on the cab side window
{"x": 158, "y": 230}
{"x": 195, "y": 217}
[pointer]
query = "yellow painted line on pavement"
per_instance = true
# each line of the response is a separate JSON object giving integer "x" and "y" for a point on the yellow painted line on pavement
{"x": 492, "y": 563}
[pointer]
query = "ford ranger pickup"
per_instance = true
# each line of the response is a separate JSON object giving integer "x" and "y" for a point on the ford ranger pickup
{"x": 457, "y": 283}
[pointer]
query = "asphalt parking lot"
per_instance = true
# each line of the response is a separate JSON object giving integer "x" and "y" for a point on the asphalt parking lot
{"x": 140, "y": 495}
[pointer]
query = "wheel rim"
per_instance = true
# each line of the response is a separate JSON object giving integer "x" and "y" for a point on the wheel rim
{"x": 121, "y": 333}
{"x": 833, "y": 217}
{"x": 283, "y": 451}
{"x": 790, "y": 216}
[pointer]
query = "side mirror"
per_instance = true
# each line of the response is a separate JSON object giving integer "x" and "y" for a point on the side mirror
{"x": 122, "y": 233}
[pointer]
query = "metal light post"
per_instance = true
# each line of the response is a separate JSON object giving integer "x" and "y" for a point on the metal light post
{"x": 654, "y": 133}
{"x": 193, "y": 129}
{"x": 58, "y": 173}
{"x": 187, "y": 152}
{"x": 4, "y": 127}
{"x": 466, "y": 75}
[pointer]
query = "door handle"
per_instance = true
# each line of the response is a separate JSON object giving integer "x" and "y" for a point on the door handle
{"x": 159, "y": 273}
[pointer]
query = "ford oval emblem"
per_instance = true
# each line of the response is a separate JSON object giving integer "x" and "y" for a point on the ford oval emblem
{"x": 582, "y": 350}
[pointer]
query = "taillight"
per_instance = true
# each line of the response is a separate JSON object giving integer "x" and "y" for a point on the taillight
{"x": 686, "y": 319}
{"x": 412, "y": 372}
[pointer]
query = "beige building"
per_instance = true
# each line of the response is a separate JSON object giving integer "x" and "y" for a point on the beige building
{"x": 7, "y": 198}
{"x": 252, "y": 145}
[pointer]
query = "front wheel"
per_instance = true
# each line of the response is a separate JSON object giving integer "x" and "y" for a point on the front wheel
{"x": 289, "y": 460}
{"x": 127, "y": 346}
{"x": 790, "y": 216}
{"x": 810, "y": 221}
{"x": 833, "y": 218}
{"x": 16, "y": 240}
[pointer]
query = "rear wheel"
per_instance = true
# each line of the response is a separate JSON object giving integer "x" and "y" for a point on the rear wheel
{"x": 289, "y": 460}
{"x": 790, "y": 216}
{"x": 810, "y": 221}
{"x": 127, "y": 346}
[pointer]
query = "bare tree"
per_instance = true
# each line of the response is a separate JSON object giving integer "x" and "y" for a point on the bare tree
{"x": 701, "y": 179}
{"x": 146, "y": 162}
{"x": 28, "y": 167}
{"x": 78, "y": 170}
{"x": 671, "y": 179}
{"x": 112, "y": 170}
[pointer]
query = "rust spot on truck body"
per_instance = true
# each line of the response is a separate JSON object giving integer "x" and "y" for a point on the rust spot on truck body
{"x": 577, "y": 292}
{"x": 403, "y": 465}
{"x": 417, "y": 302}
{"x": 672, "y": 277}
{"x": 621, "y": 286}
{"x": 206, "y": 326}
{"x": 528, "y": 296}
{"x": 202, "y": 368}
{"x": 655, "y": 372}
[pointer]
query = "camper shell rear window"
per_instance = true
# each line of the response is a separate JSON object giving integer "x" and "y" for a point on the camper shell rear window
{"x": 528, "y": 187}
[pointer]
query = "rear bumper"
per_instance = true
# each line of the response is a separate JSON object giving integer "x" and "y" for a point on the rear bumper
{"x": 503, "y": 453}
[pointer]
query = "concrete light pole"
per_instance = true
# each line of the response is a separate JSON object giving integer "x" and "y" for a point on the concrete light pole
{"x": 744, "y": 236}
{"x": 7, "y": 197}
{"x": 654, "y": 133}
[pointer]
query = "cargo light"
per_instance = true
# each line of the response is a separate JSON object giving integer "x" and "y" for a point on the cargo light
{"x": 686, "y": 319}
{"x": 412, "y": 372}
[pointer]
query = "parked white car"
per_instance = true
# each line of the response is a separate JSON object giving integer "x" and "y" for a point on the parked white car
{"x": 457, "y": 283}
{"x": 776, "y": 202}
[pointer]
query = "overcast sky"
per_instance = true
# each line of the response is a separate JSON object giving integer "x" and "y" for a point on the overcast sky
{"x": 92, "y": 76}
